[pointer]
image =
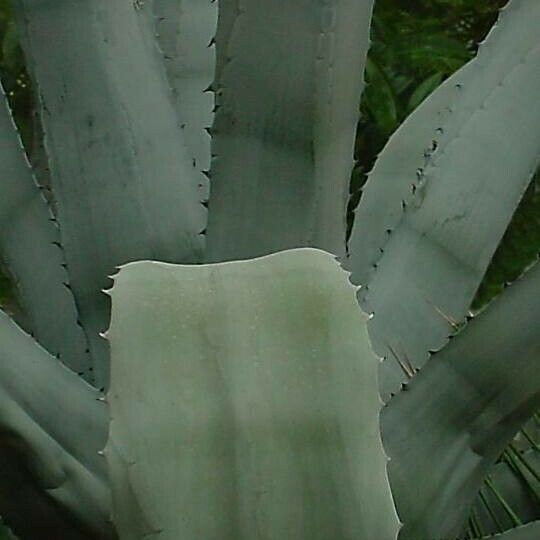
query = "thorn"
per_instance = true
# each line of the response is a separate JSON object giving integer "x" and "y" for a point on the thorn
{"x": 405, "y": 364}
{"x": 452, "y": 322}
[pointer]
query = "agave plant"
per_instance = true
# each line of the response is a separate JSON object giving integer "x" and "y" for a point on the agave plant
{"x": 232, "y": 390}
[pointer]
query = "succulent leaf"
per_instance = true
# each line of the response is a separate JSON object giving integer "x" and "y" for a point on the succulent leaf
{"x": 461, "y": 411}
{"x": 124, "y": 185}
{"x": 288, "y": 99}
{"x": 185, "y": 32}
{"x": 254, "y": 413}
{"x": 30, "y": 249}
{"x": 435, "y": 257}
{"x": 52, "y": 427}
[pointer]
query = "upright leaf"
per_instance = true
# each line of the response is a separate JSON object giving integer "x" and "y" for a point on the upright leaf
{"x": 450, "y": 424}
{"x": 185, "y": 31}
{"x": 124, "y": 185}
{"x": 395, "y": 172}
{"x": 29, "y": 247}
{"x": 288, "y": 101}
{"x": 435, "y": 255}
{"x": 250, "y": 415}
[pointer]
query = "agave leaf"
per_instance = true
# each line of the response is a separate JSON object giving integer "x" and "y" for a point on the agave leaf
{"x": 52, "y": 426}
{"x": 185, "y": 31}
{"x": 124, "y": 185}
{"x": 518, "y": 248}
{"x": 530, "y": 531}
{"x": 284, "y": 130}
{"x": 389, "y": 183}
{"x": 228, "y": 12}
{"x": 29, "y": 247}
{"x": 461, "y": 411}
{"x": 254, "y": 413}
{"x": 445, "y": 234}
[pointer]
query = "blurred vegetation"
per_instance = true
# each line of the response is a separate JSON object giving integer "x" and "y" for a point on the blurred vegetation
{"x": 416, "y": 44}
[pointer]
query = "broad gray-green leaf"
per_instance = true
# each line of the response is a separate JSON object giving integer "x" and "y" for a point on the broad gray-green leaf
{"x": 228, "y": 12}
{"x": 244, "y": 404}
{"x": 124, "y": 185}
{"x": 530, "y": 531}
{"x": 460, "y": 412}
{"x": 441, "y": 241}
{"x": 52, "y": 427}
{"x": 185, "y": 31}
{"x": 284, "y": 132}
{"x": 29, "y": 247}
{"x": 395, "y": 172}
